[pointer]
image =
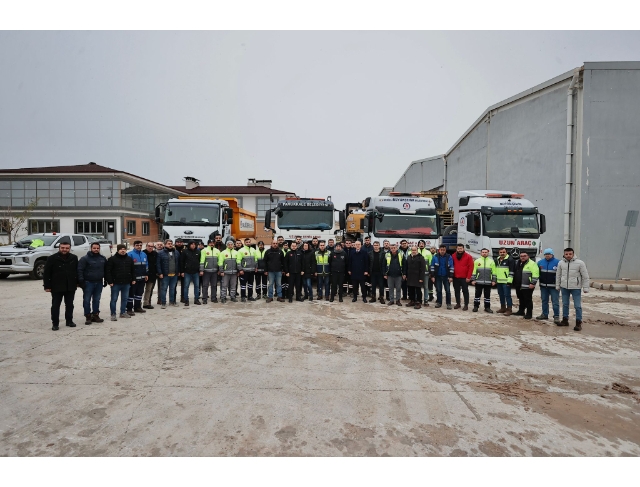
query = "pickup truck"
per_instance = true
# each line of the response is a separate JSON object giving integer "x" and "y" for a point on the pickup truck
{"x": 22, "y": 258}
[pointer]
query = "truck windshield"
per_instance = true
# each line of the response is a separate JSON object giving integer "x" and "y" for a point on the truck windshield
{"x": 192, "y": 214}
{"x": 47, "y": 239}
{"x": 500, "y": 226}
{"x": 407, "y": 226}
{"x": 306, "y": 220}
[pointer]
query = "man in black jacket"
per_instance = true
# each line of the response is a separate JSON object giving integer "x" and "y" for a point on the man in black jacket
{"x": 375, "y": 272}
{"x": 120, "y": 274}
{"x": 273, "y": 266}
{"x": 90, "y": 279}
{"x": 292, "y": 270}
{"x": 190, "y": 264}
{"x": 338, "y": 268}
{"x": 61, "y": 280}
{"x": 152, "y": 259}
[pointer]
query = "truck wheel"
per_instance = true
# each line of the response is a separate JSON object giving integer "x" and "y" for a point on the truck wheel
{"x": 38, "y": 270}
{"x": 451, "y": 230}
{"x": 4, "y": 275}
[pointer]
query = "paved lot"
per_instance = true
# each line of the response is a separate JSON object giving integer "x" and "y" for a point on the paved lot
{"x": 317, "y": 379}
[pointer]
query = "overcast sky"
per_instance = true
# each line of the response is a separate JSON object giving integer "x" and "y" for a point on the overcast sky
{"x": 319, "y": 113}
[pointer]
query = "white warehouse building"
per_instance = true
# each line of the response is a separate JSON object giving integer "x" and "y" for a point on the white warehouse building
{"x": 571, "y": 145}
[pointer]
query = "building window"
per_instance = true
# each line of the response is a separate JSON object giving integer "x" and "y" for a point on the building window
{"x": 145, "y": 228}
{"x": 263, "y": 205}
{"x": 4, "y": 225}
{"x": 131, "y": 227}
{"x": 44, "y": 226}
{"x": 90, "y": 227}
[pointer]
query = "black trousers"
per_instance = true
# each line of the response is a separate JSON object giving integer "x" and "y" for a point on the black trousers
{"x": 136, "y": 291}
{"x": 404, "y": 289}
{"x": 377, "y": 282}
{"x": 261, "y": 283}
{"x": 56, "y": 301}
{"x": 295, "y": 282}
{"x": 430, "y": 286}
{"x": 415, "y": 294}
{"x": 458, "y": 284}
{"x": 246, "y": 284}
{"x": 525, "y": 298}
{"x": 346, "y": 283}
{"x": 362, "y": 283}
{"x": 337, "y": 280}
{"x": 480, "y": 289}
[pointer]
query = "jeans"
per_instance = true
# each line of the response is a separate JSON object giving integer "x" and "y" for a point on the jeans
{"x": 308, "y": 288}
{"x": 504, "y": 292}
{"x": 188, "y": 279}
{"x": 545, "y": 293}
{"x": 324, "y": 285}
{"x": 460, "y": 283}
{"x": 169, "y": 283}
{"x": 56, "y": 301}
{"x": 210, "y": 280}
{"x": 92, "y": 293}
{"x": 275, "y": 280}
{"x": 443, "y": 281}
{"x": 377, "y": 282}
{"x": 123, "y": 291}
{"x": 395, "y": 287}
{"x": 576, "y": 294}
{"x": 136, "y": 292}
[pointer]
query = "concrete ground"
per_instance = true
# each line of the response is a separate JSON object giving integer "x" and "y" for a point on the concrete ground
{"x": 318, "y": 379}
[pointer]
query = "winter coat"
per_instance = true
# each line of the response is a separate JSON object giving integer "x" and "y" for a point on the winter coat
{"x": 338, "y": 262}
{"x": 484, "y": 271}
{"x": 375, "y": 262}
{"x": 209, "y": 259}
{"x": 293, "y": 262}
{"x": 462, "y": 267}
{"x": 247, "y": 259}
{"x": 140, "y": 262}
{"x": 190, "y": 261}
{"x": 442, "y": 265}
{"x": 572, "y": 274}
{"x": 394, "y": 265}
{"x": 548, "y": 270}
{"x": 91, "y": 268}
{"x": 416, "y": 268}
{"x": 308, "y": 263}
{"x": 273, "y": 260}
{"x": 260, "y": 260}
{"x": 61, "y": 274}
{"x": 525, "y": 274}
{"x": 228, "y": 261}
{"x": 505, "y": 270}
{"x": 120, "y": 270}
{"x": 359, "y": 264}
{"x": 162, "y": 265}
{"x": 152, "y": 258}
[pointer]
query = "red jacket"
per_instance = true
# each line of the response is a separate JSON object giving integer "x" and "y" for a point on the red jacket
{"x": 462, "y": 267}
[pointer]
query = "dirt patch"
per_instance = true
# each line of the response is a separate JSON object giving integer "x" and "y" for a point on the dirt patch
{"x": 329, "y": 342}
{"x": 355, "y": 441}
{"x": 621, "y": 388}
{"x": 492, "y": 449}
{"x": 286, "y": 434}
{"x": 431, "y": 365}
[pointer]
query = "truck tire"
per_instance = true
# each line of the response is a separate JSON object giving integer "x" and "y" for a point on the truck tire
{"x": 451, "y": 230}
{"x": 4, "y": 275}
{"x": 38, "y": 270}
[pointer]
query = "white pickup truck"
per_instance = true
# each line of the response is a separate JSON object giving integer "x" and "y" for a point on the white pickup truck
{"x": 22, "y": 258}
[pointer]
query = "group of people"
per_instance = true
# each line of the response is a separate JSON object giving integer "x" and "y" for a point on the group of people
{"x": 284, "y": 270}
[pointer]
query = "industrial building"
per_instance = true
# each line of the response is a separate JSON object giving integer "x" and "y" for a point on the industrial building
{"x": 572, "y": 146}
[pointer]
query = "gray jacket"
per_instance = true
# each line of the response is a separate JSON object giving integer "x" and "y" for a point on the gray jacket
{"x": 572, "y": 275}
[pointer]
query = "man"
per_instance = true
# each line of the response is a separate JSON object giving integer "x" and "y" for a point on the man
{"x": 505, "y": 267}
{"x": 358, "y": 271}
{"x": 322, "y": 271}
{"x": 292, "y": 270}
{"x": 404, "y": 251}
{"x": 331, "y": 245}
{"x": 442, "y": 275}
{"x": 525, "y": 277}
{"x": 280, "y": 242}
{"x": 548, "y": 267}
{"x": 261, "y": 274}
{"x": 483, "y": 278}
{"x": 209, "y": 271}
{"x": 152, "y": 258}
{"x": 308, "y": 270}
{"x": 246, "y": 270}
{"x": 571, "y": 278}
{"x": 61, "y": 280}
{"x": 462, "y": 273}
{"x": 228, "y": 267}
{"x": 159, "y": 248}
{"x": 168, "y": 268}
{"x": 314, "y": 244}
{"x": 369, "y": 249}
{"x": 201, "y": 247}
{"x": 179, "y": 246}
{"x": 386, "y": 246}
{"x": 273, "y": 266}
{"x": 428, "y": 285}
{"x": 416, "y": 272}
{"x": 136, "y": 291}
{"x": 218, "y": 241}
{"x": 284, "y": 246}
{"x": 120, "y": 274}
{"x": 375, "y": 272}
{"x": 190, "y": 270}
{"x": 338, "y": 268}
{"x": 90, "y": 278}
{"x": 394, "y": 270}
{"x": 347, "y": 249}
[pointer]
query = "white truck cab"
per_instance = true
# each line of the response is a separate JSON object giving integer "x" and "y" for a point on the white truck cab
{"x": 492, "y": 219}
{"x": 194, "y": 219}
{"x": 307, "y": 218}
{"x": 402, "y": 216}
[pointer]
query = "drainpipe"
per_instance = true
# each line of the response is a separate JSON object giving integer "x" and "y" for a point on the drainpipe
{"x": 444, "y": 158}
{"x": 568, "y": 158}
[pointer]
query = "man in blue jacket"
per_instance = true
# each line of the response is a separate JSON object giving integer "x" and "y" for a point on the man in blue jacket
{"x": 90, "y": 278}
{"x": 442, "y": 274}
{"x": 548, "y": 267}
{"x": 141, "y": 266}
{"x": 358, "y": 266}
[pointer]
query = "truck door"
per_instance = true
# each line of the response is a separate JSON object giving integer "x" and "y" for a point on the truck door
{"x": 79, "y": 245}
{"x": 474, "y": 233}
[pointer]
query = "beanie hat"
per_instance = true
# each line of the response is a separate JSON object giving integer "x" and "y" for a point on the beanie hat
{"x": 548, "y": 251}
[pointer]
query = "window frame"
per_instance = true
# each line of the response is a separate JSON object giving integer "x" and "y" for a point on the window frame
{"x": 129, "y": 225}
{"x": 148, "y": 225}
{"x": 38, "y": 221}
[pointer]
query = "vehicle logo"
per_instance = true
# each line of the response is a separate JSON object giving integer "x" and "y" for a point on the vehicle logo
{"x": 515, "y": 252}
{"x": 188, "y": 232}
{"x": 406, "y": 206}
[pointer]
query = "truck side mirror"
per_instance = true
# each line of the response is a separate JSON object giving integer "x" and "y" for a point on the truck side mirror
{"x": 543, "y": 223}
{"x": 267, "y": 220}
{"x": 362, "y": 224}
{"x": 228, "y": 215}
{"x": 370, "y": 220}
{"x": 342, "y": 220}
{"x": 157, "y": 214}
{"x": 476, "y": 226}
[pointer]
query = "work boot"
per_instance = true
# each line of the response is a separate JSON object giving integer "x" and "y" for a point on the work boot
{"x": 398, "y": 303}
{"x": 475, "y": 309}
{"x": 130, "y": 313}
{"x": 55, "y": 327}
{"x": 147, "y": 306}
{"x": 197, "y": 301}
{"x": 438, "y": 305}
{"x": 326, "y": 298}
{"x": 71, "y": 324}
{"x": 410, "y": 303}
{"x": 430, "y": 297}
{"x": 95, "y": 317}
{"x": 280, "y": 300}
{"x": 234, "y": 300}
{"x": 528, "y": 316}
{"x": 139, "y": 310}
{"x": 331, "y": 299}
{"x": 417, "y": 306}
{"x": 163, "y": 306}
{"x": 269, "y": 300}
{"x": 448, "y": 306}
{"x": 457, "y": 306}
{"x": 159, "y": 302}
{"x": 509, "y": 311}
{"x": 114, "y": 317}
{"x": 381, "y": 300}
{"x": 214, "y": 300}
{"x": 124, "y": 315}
{"x": 564, "y": 322}
{"x": 542, "y": 317}
{"x": 390, "y": 303}
{"x": 355, "y": 298}
{"x": 578, "y": 326}
{"x": 519, "y": 313}
{"x": 243, "y": 300}
{"x": 340, "y": 299}
{"x": 310, "y": 298}
{"x": 502, "y": 309}
{"x": 186, "y": 302}
{"x": 87, "y": 319}
{"x": 252, "y": 298}
{"x": 204, "y": 300}
{"x": 291, "y": 300}
{"x": 364, "y": 300}
{"x": 488, "y": 310}
{"x": 465, "y": 308}
{"x": 556, "y": 319}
